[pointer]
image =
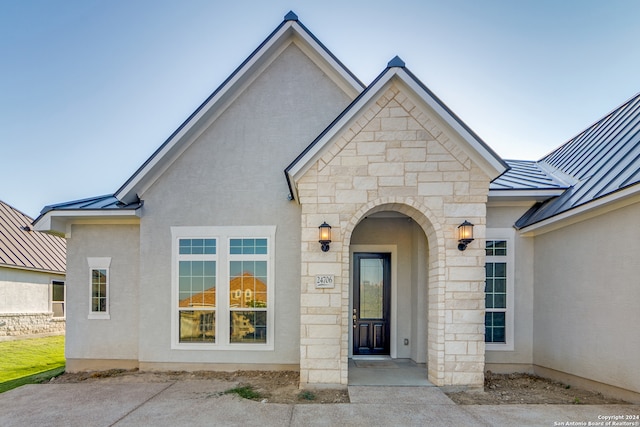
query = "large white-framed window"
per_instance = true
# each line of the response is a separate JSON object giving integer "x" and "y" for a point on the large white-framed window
{"x": 223, "y": 287}
{"x": 57, "y": 298}
{"x": 499, "y": 289}
{"x": 99, "y": 287}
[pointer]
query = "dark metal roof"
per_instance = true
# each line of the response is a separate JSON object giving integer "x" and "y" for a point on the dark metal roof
{"x": 93, "y": 203}
{"x": 602, "y": 160}
{"x": 21, "y": 247}
{"x": 526, "y": 175}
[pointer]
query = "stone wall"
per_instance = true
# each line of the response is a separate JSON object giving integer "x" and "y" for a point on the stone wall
{"x": 395, "y": 157}
{"x": 15, "y": 324}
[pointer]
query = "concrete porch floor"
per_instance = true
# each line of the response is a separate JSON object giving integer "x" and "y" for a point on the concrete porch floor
{"x": 384, "y": 371}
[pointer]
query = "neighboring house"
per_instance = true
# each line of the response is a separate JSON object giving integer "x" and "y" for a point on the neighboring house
{"x": 32, "y": 277}
{"x": 209, "y": 257}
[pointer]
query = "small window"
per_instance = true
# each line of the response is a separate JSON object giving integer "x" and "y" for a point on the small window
{"x": 99, "y": 287}
{"x": 57, "y": 299}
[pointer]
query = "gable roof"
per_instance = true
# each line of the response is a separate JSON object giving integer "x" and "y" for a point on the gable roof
{"x": 602, "y": 162}
{"x": 23, "y": 248}
{"x": 290, "y": 30}
{"x": 490, "y": 162}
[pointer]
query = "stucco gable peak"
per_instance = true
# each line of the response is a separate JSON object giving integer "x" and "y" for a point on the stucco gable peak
{"x": 290, "y": 30}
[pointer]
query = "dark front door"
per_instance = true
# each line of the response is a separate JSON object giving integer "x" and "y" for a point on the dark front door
{"x": 371, "y": 302}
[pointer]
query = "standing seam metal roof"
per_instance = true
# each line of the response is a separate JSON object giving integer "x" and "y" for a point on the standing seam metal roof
{"x": 602, "y": 159}
{"x": 21, "y": 247}
{"x": 526, "y": 175}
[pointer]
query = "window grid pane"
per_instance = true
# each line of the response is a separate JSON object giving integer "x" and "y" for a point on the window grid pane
{"x": 197, "y": 326}
{"x": 248, "y": 327}
{"x": 248, "y": 284}
{"x": 197, "y": 246}
{"x": 248, "y": 246}
{"x": 495, "y": 329}
{"x": 197, "y": 284}
{"x": 495, "y": 285}
{"x": 99, "y": 290}
{"x": 496, "y": 248}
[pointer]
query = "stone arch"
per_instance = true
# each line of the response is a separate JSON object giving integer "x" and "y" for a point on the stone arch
{"x": 434, "y": 233}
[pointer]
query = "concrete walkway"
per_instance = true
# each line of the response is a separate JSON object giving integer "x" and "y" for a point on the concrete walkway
{"x": 198, "y": 403}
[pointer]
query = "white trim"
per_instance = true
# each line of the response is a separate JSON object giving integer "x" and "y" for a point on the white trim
{"x": 99, "y": 263}
{"x": 508, "y": 235}
{"x": 393, "y": 250}
{"x": 60, "y": 221}
{"x": 533, "y": 195}
{"x": 222, "y": 257}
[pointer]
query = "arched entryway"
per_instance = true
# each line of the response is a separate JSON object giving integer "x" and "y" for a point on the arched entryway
{"x": 390, "y": 263}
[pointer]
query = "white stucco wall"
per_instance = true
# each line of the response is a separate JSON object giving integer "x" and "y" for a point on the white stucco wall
{"x": 117, "y": 337}
{"x": 586, "y": 299}
{"x": 232, "y": 175}
{"x": 24, "y": 291}
{"x": 520, "y": 358}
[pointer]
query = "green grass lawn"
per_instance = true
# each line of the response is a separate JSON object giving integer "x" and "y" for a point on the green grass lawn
{"x": 30, "y": 360}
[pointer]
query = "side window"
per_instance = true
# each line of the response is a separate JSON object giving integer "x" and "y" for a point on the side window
{"x": 57, "y": 298}
{"x": 99, "y": 288}
{"x": 495, "y": 291}
{"x": 499, "y": 290}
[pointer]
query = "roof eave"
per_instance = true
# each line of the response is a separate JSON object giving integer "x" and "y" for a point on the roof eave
{"x": 616, "y": 200}
{"x": 58, "y": 221}
{"x": 37, "y": 270}
{"x": 535, "y": 195}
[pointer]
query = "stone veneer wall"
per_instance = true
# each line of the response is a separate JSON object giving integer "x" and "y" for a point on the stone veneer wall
{"x": 14, "y": 324}
{"x": 396, "y": 158}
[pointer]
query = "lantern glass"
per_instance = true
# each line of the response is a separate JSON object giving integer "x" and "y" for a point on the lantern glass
{"x": 465, "y": 231}
{"x": 325, "y": 232}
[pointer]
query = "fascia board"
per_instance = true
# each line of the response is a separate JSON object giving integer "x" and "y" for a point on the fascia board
{"x": 535, "y": 195}
{"x": 37, "y": 270}
{"x": 56, "y": 221}
{"x": 491, "y": 165}
{"x": 613, "y": 201}
{"x": 351, "y": 85}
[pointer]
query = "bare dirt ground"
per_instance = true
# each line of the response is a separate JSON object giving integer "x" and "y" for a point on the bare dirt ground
{"x": 282, "y": 387}
{"x": 500, "y": 389}
{"x": 269, "y": 386}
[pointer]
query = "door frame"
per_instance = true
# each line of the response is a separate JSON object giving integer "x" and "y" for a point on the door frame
{"x": 393, "y": 250}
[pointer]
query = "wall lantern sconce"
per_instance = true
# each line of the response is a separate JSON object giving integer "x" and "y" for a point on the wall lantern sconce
{"x": 325, "y": 236}
{"x": 465, "y": 235}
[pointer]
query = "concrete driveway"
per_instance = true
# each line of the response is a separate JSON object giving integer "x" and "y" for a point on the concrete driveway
{"x": 199, "y": 403}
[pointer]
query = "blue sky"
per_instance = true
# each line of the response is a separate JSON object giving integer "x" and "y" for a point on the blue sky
{"x": 90, "y": 88}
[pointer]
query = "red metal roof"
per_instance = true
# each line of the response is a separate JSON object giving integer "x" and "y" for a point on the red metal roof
{"x": 21, "y": 247}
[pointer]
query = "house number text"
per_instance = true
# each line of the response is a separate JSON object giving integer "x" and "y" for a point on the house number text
{"x": 324, "y": 281}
